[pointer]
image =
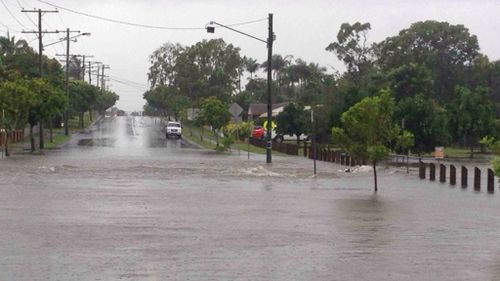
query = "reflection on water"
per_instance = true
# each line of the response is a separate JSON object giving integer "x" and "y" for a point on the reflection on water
{"x": 124, "y": 202}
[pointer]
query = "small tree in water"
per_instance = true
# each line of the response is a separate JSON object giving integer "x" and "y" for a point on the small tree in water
{"x": 214, "y": 114}
{"x": 368, "y": 129}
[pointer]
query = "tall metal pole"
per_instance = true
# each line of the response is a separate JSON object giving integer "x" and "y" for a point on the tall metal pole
{"x": 102, "y": 78}
{"x": 97, "y": 80}
{"x": 40, "y": 65}
{"x": 83, "y": 69}
{"x": 314, "y": 150}
{"x": 269, "y": 146}
{"x": 66, "y": 117}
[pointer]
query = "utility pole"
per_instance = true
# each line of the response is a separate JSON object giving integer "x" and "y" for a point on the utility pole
{"x": 96, "y": 63}
{"x": 66, "y": 113}
{"x": 40, "y": 54}
{"x": 270, "y": 40}
{"x": 102, "y": 76}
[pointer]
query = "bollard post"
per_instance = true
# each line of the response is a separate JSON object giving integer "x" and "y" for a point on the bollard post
{"x": 432, "y": 172}
{"x": 305, "y": 149}
{"x": 453, "y": 175}
{"x": 491, "y": 181}
{"x": 464, "y": 177}
{"x": 477, "y": 179}
{"x": 442, "y": 173}
{"x": 342, "y": 159}
{"x": 421, "y": 170}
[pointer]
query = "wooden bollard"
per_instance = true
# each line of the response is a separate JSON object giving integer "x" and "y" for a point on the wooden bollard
{"x": 453, "y": 175}
{"x": 442, "y": 173}
{"x": 464, "y": 177}
{"x": 342, "y": 158}
{"x": 305, "y": 149}
{"x": 432, "y": 172}
{"x": 421, "y": 170}
{"x": 477, "y": 179}
{"x": 491, "y": 181}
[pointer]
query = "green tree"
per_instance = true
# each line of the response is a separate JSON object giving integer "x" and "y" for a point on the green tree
{"x": 351, "y": 47}
{"x": 105, "y": 100}
{"x": 368, "y": 129}
{"x": 82, "y": 98}
{"x": 410, "y": 80}
{"x": 426, "y": 120}
{"x": 251, "y": 65}
{"x": 214, "y": 114}
{"x": 16, "y": 98}
{"x": 472, "y": 116}
{"x": 444, "y": 49}
{"x": 293, "y": 120}
{"x": 49, "y": 102}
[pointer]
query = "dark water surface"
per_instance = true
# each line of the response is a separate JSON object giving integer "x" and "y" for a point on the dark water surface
{"x": 123, "y": 203}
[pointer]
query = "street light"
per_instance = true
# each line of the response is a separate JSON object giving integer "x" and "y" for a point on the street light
{"x": 68, "y": 39}
{"x": 211, "y": 29}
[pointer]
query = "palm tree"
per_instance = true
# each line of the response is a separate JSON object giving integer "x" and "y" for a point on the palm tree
{"x": 251, "y": 66}
{"x": 9, "y": 46}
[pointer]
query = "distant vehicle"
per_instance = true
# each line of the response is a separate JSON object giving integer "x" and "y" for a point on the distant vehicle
{"x": 258, "y": 132}
{"x": 173, "y": 129}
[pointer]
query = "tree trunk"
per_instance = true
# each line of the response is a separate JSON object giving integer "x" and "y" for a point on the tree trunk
{"x": 7, "y": 153}
{"x": 80, "y": 120}
{"x": 51, "y": 125}
{"x": 216, "y": 138}
{"x": 298, "y": 140}
{"x": 32, "y": 138}
{"x": 375, "y": 174}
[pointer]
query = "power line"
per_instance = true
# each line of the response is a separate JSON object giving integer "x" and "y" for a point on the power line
{"x": 138, "y": 24}
{"x": 136, "y": 86}
{"x": 29, "y": 18}
{"x": 12, "y": 15}
{"x": 131, "y": 82}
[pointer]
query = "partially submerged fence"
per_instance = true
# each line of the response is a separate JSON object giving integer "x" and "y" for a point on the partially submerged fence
{"x": 452, "y": 176}
{"x": 288, "y": 148}
{"x": 14, "y": 136}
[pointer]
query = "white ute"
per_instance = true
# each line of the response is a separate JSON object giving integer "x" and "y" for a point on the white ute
{"x": 173, "y": 129}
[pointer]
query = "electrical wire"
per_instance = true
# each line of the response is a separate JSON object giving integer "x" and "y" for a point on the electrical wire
{"x": 130, "y": 81}
{"x": 26, "y": 14}
{"x": 132, "y": 86}
{"x": 12, "y": 15}
{"x": 138, "y": 24}
{"x": 139, "y": 87}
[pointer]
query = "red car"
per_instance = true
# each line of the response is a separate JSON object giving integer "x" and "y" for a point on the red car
{"x": 258, "y": 132}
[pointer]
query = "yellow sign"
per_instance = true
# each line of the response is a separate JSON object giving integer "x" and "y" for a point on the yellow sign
{"x": 273, "y": 125}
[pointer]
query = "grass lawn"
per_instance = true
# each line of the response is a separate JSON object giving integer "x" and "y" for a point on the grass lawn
{"x": 209, "y": 141}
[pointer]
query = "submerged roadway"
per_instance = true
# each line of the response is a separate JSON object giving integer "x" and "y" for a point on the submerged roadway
{"x": 121, "y": 202}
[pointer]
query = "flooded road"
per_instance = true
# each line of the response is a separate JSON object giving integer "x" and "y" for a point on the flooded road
{"x": 120, "y": 202}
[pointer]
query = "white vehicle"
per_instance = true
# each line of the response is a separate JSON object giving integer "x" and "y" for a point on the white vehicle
{"x": 173, "y": 129}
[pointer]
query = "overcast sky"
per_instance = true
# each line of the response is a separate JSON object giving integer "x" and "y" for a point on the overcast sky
{"x": 303, "y": 28}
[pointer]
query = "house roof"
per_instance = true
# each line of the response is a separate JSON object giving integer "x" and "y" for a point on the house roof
{"x": 259, "y": 108}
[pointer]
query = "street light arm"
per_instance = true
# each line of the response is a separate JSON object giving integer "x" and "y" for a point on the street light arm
{"x": 240, "y": 32}
{"x": 64, "y": 39}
